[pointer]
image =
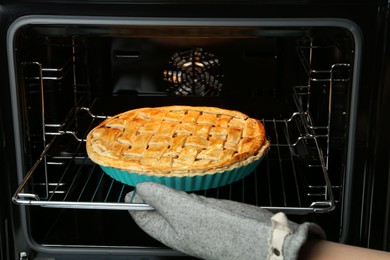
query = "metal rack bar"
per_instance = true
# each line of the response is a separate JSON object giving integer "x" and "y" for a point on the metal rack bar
{"x": 280, "y": 163}
{"x": 292, "y": 164}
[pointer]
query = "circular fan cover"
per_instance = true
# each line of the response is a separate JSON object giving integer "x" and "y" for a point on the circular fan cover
{"x": 194, "y": 73}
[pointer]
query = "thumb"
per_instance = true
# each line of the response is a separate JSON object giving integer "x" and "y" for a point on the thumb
{"x": 150, "y": 221}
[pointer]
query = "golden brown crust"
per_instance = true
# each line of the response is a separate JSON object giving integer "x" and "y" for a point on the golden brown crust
{"x": 177, "y": 140}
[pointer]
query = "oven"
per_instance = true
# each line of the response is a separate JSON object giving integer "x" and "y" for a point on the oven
{"x": 313, "y": 72}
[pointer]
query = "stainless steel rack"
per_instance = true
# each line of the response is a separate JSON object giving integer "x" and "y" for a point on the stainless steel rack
{"x": 283, "y": 182}
{"x": 293, "y": 177}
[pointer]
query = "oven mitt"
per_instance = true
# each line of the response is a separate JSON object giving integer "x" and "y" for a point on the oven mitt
{"x": 217, "y": 229}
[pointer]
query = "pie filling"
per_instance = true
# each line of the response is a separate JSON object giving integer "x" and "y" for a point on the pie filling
{"x": 184, "y": 140}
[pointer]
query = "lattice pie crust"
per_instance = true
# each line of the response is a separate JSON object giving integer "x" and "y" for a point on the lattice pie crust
{"x": 177, "y": 140}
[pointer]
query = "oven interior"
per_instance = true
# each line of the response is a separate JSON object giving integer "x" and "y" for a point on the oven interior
{"x": 69, "y": 77}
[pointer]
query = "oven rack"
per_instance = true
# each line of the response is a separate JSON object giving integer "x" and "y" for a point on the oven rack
{"x": 292, "y": 178}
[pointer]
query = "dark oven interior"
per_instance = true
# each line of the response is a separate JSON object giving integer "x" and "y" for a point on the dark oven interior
{"x": 297, "y": 79}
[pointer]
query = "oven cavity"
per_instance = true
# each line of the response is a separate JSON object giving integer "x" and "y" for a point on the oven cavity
{"x": 295, "y": 80}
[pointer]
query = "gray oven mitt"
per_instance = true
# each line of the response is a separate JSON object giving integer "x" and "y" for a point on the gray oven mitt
{"x": 217, "y": 229}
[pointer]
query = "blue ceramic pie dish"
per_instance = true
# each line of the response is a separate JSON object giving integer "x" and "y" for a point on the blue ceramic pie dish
{"x": 186, "y": 183}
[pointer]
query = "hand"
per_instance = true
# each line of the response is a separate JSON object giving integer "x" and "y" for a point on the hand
{"x": 217, "y": 229}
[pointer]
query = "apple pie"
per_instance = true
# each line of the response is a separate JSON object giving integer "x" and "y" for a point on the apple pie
{"x": 177, "y": 140}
